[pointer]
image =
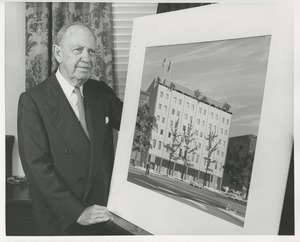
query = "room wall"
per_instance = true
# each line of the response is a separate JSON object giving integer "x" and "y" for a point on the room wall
{"x": 14, "y": 71}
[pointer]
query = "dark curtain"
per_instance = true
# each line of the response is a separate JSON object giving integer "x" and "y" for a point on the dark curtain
{"x": 167, "y": 7}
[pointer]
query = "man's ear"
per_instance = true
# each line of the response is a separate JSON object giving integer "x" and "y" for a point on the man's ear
{"x": 57, "y": 52}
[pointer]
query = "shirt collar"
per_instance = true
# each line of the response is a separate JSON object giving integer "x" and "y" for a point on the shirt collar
{"x": 65, "y": 85}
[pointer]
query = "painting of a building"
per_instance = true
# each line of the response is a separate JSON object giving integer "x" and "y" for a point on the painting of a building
{"x": 170, "y": 102}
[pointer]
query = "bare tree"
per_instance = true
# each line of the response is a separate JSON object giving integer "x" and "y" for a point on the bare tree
{"x": 173, "y": 146}
{"x": 188, "y": 138}
{"x": 211, "y": 147}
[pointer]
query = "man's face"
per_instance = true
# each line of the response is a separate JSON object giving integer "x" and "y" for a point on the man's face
{"x": 77, "y": 56}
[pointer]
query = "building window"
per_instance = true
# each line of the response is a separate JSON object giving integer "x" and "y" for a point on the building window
{"x": 171, "y": 123}
{"x": 165, "y": 107}
{"x": 159, "y": 145}
{"x": 178, "y": 113}
{"x": 221, "y": 130}
{"x": 180, "y": 151}
{"x": 225, "y": 131}
{"x": 184, "y": 128}
{"x": 180, "y": 101}
{"x": 216, "y": 116}
{"x": 203, "y": 123}
{"x": 222, "y": 154}
{"x": 173, "y": 111}
{"x": 223, "y": 120}
{"x": 215, "y": 128}
{"x": 219, "y": 141}
{"x": 218, "y": 152}
{"x": 227, "y": 121}
{"x": 191, "y": 119}
{"x": 159, "y": 106}
{"x": 188, "y": 105}
{"x": 212, "y": 115}
{"x": 201, "y": 135}
{"x": 161, "y": 94}
{"x": 175, "y": 99}
{"x": 198, "y": 121}
{"x": 224, "y": 143}
{"x": 200, "y": 110}
{"x": 216, "y": 165}
{"x": 193, "y": 107}
{"x": 204, "y": 111}
{"x": 199, "y": 146}
{"x": 161, "y": 131}
{"x": 169, "y": 135}
{"x": 154, "y": 143}
{"x": 185, "y": 116}
{"x": 210, "y": 126}
{"x": 163, "y": 120}
{"x": 197, "y": 159}
{"x": 158, "y": 118}
{"x": 196, "y": 132}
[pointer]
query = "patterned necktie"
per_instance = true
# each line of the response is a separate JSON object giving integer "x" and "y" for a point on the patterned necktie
{"x": 80, "y": 106}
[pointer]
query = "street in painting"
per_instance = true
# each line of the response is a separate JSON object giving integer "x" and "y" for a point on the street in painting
{"x": 197, "y": 123}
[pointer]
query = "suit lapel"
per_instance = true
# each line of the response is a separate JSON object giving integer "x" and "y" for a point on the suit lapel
{"x": 65, "y": 120}
{"x": 95, "y": 116}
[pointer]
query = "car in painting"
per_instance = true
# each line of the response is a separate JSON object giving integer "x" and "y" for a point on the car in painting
{"x": 235, "y": 195}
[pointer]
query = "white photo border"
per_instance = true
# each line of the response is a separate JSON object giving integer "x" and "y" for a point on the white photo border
{"x": 275, "y": 136}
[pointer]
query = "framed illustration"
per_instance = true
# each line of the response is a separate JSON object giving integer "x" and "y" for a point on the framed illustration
{"x": 206, "y": 135}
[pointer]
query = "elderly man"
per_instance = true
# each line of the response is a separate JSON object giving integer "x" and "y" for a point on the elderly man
{"x": 65, "y": 140}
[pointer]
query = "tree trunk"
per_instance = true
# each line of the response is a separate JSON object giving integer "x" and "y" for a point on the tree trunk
{"x": 169, "y": 169}
{"x": 141, "y": 162}
{"x": 204, "y": 181}
{"x": 183, "y": 172}
{"x": 186, "y": 171}
{"x": 174, "y": 165}
{"x": 160, "y": 165}
{"x": 247, "y": 193}
{"x": 135, "y": 158}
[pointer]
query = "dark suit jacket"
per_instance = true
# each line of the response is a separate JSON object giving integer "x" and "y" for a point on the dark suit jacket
{"x": 67, "y": 172}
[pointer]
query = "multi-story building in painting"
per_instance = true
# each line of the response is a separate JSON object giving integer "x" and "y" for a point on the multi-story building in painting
{"x": 170, "y": 102}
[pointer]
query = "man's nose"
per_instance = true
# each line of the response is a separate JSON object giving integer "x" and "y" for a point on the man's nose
{"x": 85, "y": 56}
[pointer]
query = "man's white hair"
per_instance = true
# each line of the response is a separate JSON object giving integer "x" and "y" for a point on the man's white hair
{"x": 61, "y": 33}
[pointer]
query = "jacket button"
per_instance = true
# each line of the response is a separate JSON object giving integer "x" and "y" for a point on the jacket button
{"x": 80, "y": 180}
{"x": 67, "y": 151}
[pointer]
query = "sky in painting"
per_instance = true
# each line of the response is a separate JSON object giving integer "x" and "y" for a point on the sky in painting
{"x": 231, "y": 71}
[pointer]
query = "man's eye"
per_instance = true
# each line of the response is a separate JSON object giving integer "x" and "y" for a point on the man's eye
{"x": 78, "y": 50}
{"x": 92, "y": 52}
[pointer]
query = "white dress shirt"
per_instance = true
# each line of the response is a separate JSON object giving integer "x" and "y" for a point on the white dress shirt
{"x": 68, "y": 91}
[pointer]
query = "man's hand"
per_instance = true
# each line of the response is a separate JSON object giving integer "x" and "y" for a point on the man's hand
{"x": 94, "y": 214}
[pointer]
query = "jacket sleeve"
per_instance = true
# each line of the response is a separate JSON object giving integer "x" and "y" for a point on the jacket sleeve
{"x": 116, "y": 107}
{"x": 38, "y": 166}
